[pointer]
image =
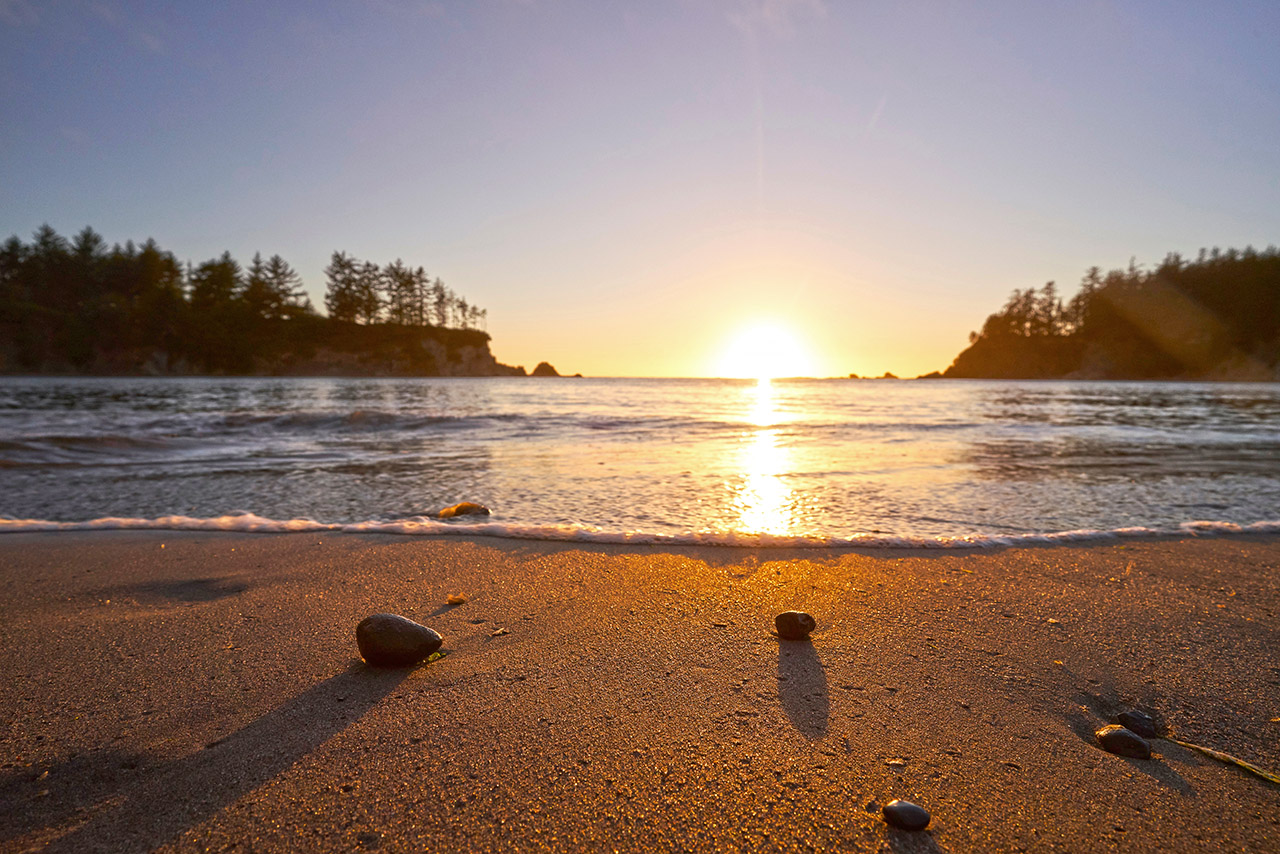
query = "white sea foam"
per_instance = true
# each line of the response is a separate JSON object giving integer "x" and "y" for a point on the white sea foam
{"x": 422, "y": 526}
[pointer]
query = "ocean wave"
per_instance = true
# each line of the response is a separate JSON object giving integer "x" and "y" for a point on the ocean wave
{"x": 375, "y": 420}
{"x": 144, "y": 432}
{"x": 422, "y": 526}
{"x": 63, "y": 450}
{"x": 355, "y": 421}
{"x": 180, "y": 437}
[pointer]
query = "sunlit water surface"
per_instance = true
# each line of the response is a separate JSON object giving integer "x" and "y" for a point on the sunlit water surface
{"x": 826, "y": 458}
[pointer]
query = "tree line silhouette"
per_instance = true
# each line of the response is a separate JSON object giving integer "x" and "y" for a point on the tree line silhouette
{"x": 78, "y": 306}
{"x": 1217, "y": 317}
{"x": 363, "y": 291}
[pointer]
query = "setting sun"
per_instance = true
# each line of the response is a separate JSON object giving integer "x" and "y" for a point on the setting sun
{"x": 764, "y": 350}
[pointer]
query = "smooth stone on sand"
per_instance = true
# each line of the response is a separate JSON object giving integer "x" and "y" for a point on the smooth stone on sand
{"x": 466, "y": 508}
{"x": 389, "y": 640}
{"x": 1123, "y": 742}
{"x": 794, "y": 625}
{"x": 1139, "y": 722}
{"x": 906, "y": 815}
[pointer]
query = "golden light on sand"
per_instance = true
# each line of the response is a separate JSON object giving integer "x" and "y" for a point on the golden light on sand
{"x": 765, "y": 350}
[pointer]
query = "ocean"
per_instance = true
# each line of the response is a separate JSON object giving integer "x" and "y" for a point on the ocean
{"x": 948, "y": 463}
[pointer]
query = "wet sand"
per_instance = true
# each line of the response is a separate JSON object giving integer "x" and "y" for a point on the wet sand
{"x": 192, "y": 691}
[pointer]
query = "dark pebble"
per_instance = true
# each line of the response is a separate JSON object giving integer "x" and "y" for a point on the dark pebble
{"x": 1139, "y": 722}
{"x": 794, "y": 625}
{"x": 906, "y": 815}
{"x": 388, "y": 640}
{"x": 1116, "y": 739}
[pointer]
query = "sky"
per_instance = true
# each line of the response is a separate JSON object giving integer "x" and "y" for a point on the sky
{"x": 631, "y": 188}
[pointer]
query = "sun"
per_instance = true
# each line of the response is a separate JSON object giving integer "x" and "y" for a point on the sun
{"x": 765, "y": 350}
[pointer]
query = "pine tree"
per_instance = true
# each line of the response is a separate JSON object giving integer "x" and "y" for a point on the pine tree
{"x": 421, "y": 286}
{"x": 286, "y": 286}
{"x": 440, "y": 302}
{"x": 369, "y": 289}
{"x": 257, "y": 294}
{"x": 220, "y": 318}
{"x": 341, "y": 298}
{"x": 401, "y": 292}
{"x": 215, "y": 285}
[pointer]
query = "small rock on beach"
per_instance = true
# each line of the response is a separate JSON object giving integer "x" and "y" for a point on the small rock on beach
{"x": 389, "y": 640}
{"x": 1123, "y": 742}
{"x": 1139, "y": 722}
{"x": 466, "y": 508}
{"x": 794, "y": 625}
{"x": 906, "y": 815}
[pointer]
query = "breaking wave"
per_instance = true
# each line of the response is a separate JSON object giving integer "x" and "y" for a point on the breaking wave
{"x": 422, "y": 526}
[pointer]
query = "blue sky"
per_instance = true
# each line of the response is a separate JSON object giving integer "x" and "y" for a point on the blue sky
{"x": 625, "y": 186}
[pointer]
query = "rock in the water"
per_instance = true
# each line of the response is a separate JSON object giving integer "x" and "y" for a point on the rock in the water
{"x": 1116, "y": 739}
{"x": 906, "y": 815}
{"x": 1139, "y": 722}
{"x": 545, "y": 369}
{"x": 466, "y": 508}
{"x": 389, "y": 640}
{"x": 794, "y": 625}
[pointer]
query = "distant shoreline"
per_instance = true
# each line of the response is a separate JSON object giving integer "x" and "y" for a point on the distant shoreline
{"x": 376, "y": 376}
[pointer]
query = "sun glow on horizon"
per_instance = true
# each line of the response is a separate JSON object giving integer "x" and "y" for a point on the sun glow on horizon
{"x": 765, "y": 350}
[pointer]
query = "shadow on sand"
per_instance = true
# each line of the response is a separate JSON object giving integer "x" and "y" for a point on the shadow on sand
{"x": 159, "y": 800}
{"x": 189, "y": 589}
{"x": 802, "y": 688}
{"x": 912, "y": 842}
{"x": 1104, "y": 705}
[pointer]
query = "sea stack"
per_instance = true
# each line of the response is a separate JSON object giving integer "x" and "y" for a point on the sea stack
{"x": 545, "y": 369}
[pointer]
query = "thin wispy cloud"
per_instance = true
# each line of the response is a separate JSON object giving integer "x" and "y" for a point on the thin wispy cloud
{"x": 875, "y": 114}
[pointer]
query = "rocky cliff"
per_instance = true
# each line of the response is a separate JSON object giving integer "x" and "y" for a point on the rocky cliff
{"x": 387, "y": 350}
{"x": 309, "y": 347}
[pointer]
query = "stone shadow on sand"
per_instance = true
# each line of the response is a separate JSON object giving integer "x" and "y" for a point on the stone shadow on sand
{"x": 193, "y": 589}
{"x": 1105, "y": 705}
{"x": 802, "y": 688}
{"x": 160, "y": 800}
{"x": 49, "y": 794}
{"x": 912, "y": 842}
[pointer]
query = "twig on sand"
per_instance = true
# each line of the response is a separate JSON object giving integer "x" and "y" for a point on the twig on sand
{"x": 1230, "y": 760}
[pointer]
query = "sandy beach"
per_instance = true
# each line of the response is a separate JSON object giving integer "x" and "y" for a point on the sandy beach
{"x": 190, "y": 692}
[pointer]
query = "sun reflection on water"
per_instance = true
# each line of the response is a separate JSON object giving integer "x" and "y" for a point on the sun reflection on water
{"x": 764, "y": 502}
{"x": 763, "y": 412}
